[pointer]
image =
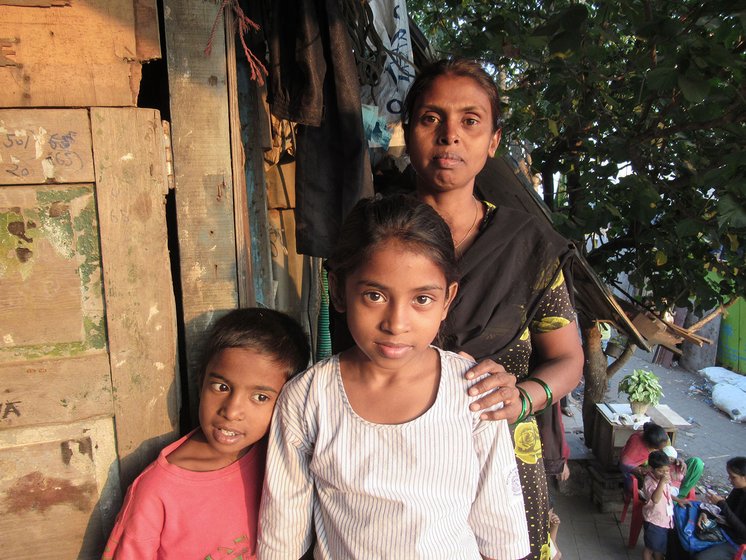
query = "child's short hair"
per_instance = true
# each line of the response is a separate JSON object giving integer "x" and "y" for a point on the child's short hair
{"x": 265, "y": 331}
{"x": 654, "y": 435}
{"x": 402, "y": 218}
{"x": 658, "y": 459}
{"x": 737, "y": 465}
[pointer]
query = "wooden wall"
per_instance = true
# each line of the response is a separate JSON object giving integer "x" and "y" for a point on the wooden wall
{"x": 88, "y": 347}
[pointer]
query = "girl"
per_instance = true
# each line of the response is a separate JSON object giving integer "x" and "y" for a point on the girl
{"x": 376, "y": 448}
{"x": 657, "y": 512}
{"x": 200, "y": 498}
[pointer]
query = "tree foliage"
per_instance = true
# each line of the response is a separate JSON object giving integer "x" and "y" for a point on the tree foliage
{"x": 640, "y": 108}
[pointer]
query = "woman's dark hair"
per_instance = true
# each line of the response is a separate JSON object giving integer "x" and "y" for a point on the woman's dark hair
{"x": 658, "y": 459}
{"x": 737, "y": 465}
{"x": 400, "y": 218}
{"x": 654, "y": 435}
{"x": 463, "y": 67}
{"x": 264, "y": 331}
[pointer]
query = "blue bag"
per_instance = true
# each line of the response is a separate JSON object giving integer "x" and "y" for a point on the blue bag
{"x": 685, "y": 521}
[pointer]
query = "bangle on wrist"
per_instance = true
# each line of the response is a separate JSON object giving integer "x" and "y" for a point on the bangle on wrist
{"x": 525, "y": 394}
{"x": 547, "y": 391}
{"x": 522, "y": 415}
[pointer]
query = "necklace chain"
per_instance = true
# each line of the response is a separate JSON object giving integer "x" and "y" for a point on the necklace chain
{"x": 468, "y": 233}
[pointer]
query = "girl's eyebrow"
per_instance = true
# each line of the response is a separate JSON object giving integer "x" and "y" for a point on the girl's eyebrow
{"x": 377, "y": 286}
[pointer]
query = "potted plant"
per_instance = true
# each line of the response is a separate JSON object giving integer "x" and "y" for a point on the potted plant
{"x": 615, "y": 346}
{"x": 642, "y": 388}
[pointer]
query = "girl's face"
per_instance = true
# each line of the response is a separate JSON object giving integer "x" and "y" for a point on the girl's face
{"x": 236, "y": 402}
{"x": 450, "y": 134}
{"x": 737, "y": 480}
{"x": 395, "y": 302}
{"x": 660, "y": 472}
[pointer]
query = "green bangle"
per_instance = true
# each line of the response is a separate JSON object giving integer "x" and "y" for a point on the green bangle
{"x": 525, "y": 394}
{"x": 522, "y": 415}
{"x": 547, "y": 390}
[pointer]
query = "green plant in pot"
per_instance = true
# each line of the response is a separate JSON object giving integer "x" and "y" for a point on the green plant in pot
{"x": 643, "y": 390}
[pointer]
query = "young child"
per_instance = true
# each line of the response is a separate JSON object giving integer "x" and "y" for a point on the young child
{"x": 200, "y": 498}
{"x": 375, "y": 448}
{"x": 657, "y": 513}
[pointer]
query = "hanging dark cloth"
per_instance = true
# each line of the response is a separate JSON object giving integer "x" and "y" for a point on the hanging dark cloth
{"x": 313, "y": 81}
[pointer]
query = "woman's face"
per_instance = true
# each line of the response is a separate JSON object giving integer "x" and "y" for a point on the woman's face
{"x": 737, "y": 480}
{"x": 450, "y": 134}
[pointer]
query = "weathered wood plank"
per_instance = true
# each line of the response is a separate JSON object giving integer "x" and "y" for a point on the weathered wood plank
{"x": 57, "y": 486}
{"x": 50, "y": 273}
{"x": 200, "y": 139}
{"x": 131, "y": 187}
{"x": 240, "y": 198}
{"x": 147, "y": 34}
{"x": 54, "y": 391}
{"x": 45, "y": 146}
{"x": 256, "y": 190}
{"x": 74, "y": 55}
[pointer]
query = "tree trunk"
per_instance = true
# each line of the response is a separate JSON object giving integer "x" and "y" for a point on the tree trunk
{"x": 596, "y": 373}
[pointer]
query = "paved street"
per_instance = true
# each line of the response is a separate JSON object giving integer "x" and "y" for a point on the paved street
{"x": 587, "y": 534}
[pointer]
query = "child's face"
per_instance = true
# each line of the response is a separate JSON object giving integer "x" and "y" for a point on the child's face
{"x": 660, "y": 472}
{"x": 395, "y": 302}
{"x": 238, "y": 395}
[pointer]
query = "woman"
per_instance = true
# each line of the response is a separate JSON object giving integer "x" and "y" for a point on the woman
{"x": 732, "y": 509}
{"x": 512, "y": 306}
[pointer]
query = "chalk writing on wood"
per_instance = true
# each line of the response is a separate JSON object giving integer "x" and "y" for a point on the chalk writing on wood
{"x": 24, "y": 150}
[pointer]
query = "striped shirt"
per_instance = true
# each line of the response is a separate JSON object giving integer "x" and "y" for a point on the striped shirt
{"x": 442, "y": 486}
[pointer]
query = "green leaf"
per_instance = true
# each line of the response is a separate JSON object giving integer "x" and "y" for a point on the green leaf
{"x": 694, "y": 90}
{"x": 687, "y": 227}
{"x": 663, "y": 77}
{"x": 731, "y": 213}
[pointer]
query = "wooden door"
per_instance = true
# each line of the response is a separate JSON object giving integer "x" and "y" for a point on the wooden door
{"x": 88, "y": 378}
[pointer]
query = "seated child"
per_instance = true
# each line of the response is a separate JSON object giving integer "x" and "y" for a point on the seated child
{"x": 657, "y": 513}
{"x": 677, "y": 468}
{"x": 200, "y": 498}
{"x": 684, "y": 475}
{"x": 375, "y": 449}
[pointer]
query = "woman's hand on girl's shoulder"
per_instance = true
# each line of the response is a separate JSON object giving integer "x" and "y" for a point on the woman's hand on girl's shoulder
{"x": 497, "y": 387}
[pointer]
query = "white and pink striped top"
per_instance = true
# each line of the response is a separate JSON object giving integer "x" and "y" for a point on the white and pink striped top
{"x": 442, "y": 486}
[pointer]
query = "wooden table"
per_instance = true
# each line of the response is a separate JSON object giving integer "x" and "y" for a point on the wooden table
{"x": 609, "y": 436}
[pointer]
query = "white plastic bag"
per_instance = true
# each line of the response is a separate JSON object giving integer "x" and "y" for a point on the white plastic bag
{"x": 731, "y": 400}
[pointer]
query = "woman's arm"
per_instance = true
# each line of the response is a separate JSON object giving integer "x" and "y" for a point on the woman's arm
{"x": 736, "y": 524}
{"x": 561, "y": 365}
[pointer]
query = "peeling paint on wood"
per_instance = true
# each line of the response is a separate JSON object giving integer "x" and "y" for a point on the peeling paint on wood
{"x": 50, "y": 273}
{"x": 57, "y": 485}
{"x": 36, "y": 492}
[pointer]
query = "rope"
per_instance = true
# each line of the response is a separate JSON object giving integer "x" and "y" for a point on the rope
{"x": 242, "y": 27}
